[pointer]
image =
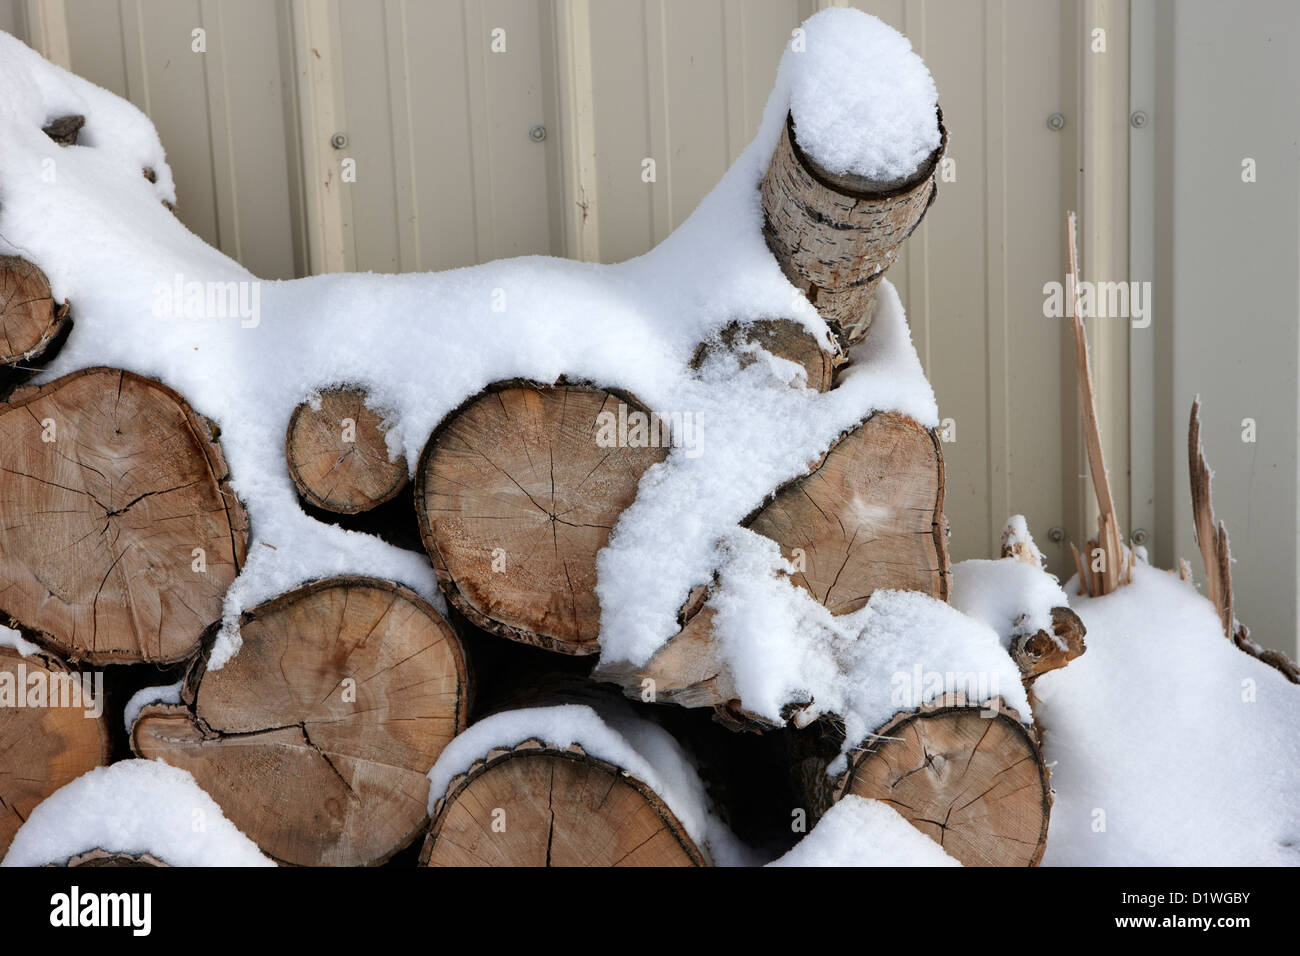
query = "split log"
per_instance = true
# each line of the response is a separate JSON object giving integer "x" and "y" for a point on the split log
{"x": 868, "y": 515}
{"x": 1037, "y": 653}
{"x": 337, "y": 454}
{"x": 559, "y": 807}
{"x": 783, "y": 338}
{"x": 516, "y": 492}
{"x": 973, "y": 780}
{"x": 1212, "y": 539}
{"x": 835, "y": 235}
{"x": 316, "y": 737}
{"x": 121, "y": 533}
{"x": 30, "y": 319}
{"x": 45, "y": 742}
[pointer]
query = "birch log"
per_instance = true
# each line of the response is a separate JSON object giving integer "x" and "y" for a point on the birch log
{"x": 834, "y": 235}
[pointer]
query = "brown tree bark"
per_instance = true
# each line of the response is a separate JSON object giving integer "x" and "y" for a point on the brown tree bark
{"x": 834, "y": 236}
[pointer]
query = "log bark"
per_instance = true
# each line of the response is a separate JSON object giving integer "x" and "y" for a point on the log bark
{"x": 515, "y": 495}
{"x": 834, "y": 235}
{"x": 783, "y": 338}
{"x": 30, "y": 319}
{"x": 45, "y": 746}
{"x": 121, "y": 533}
{"x": 869, "y": 515}
{"x": 337, "y": 454}
{"x": 316, "y": 737}
{"x": 539, "y": 805}
{"x": 64, "y": 130}
{"x": 972, "y": 780}
{"x": 97, "y": 857}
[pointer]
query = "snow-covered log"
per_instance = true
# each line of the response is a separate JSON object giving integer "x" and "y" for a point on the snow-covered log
{"x": 121, "y": 534}
{"x": 30, "y": 319}
{"x": 52, "y": 730}
{"x": 972, "y": 778}
{"x": 337, "y": 453}
{"x": 316, "y": 737}
{"x": 834, "y": 235}
{"x": 518, "y": 489}
{"x": 869, "y": 515}
{"x": 569, "y": 785}
{"x": 783, "y": 339}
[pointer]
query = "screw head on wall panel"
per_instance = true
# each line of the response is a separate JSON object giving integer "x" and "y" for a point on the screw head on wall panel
{"x": 537, "y": 134}
{"x": 1139, "y": 536}
{"x": 1056, "y": 534}
{"x": 1138, "y": 119}
{"x": 1056, "y": 122}
{"x": 339, "y": 140}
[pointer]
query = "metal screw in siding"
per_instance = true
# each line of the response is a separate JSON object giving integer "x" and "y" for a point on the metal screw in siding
{"x": 1056, "y": 534}
{"x": 339, "y": 140}
{"x": 537, "y": 134}
{"x": 1139, "y": 536}
{"x": 1056, "y": 122}
{"x": 1138, "y": 119}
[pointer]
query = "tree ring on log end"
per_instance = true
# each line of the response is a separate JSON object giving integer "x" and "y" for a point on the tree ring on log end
{"x": 121, "y": 533}
{"x": 972, "y": 779}
{"x": 316, "y": 738}
{"x": 338, "y": 456}
{"x": 517, "y": 490}
{"x": 537, "y": 805}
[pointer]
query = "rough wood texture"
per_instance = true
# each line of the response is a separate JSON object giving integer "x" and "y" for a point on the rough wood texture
{"x": 337, "y": 455}
{"x": 783, "y": 338}
{"x": 42, "y": 747}
{"x": 29, "y": 317}
{"x": 1212, "y": 539}
{"x": 1116, "y": 564}
{"x": 515, "y": 496}
{"x": 316, "y": 737}
{"x": 94, "y": 858}
{"x": 834, "y": 236}
{"x": 1036, "y": 654}
{"x": 64, "y": 130}
{"x": 972, "y": 780}
{"x": 554, "y": 807}
{"x": 869, "y": 515}
{"x": 121, "y": 535}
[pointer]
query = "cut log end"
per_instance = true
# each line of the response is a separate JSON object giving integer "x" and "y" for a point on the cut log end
{"x": 337, "y": 454}
{"x": 535, "y": 805}
{"x": 517, "y": 491}
{"x": 785, "y": 339}
{"x": 972, "y": 780}
{"x": 43, "y": 744}
{"x": 29, "y": 317}
{"x": 869, "y": 516}
{"x": 316, "y": 737}
{"x": 122, "y": 533}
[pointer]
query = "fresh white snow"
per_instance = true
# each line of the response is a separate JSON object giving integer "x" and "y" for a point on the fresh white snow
{"x": 861, "y": 832}
{"x": 136, "y": 807}
{"x": 1168, "y": 745}
{"x": 1009, "y": 596}
{"x": 863, "y": 102}
{"x": 164, "y": 694}
{"x": 11, "y": 638}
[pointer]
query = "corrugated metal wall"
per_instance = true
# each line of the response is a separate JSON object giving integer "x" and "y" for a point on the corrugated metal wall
{"x": 443, "y": 104}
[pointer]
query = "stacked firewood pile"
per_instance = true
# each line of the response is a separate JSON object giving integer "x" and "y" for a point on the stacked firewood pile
{"x": 120, "y": 535}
